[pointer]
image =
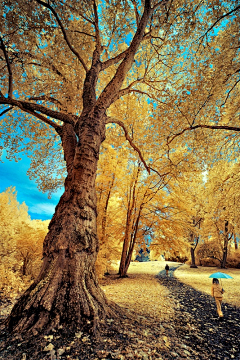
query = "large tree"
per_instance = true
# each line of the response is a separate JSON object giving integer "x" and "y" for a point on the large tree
{"x": 62, "y": 66}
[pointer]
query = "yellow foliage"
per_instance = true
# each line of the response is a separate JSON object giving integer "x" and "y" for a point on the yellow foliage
{"x": 21, "y": 242}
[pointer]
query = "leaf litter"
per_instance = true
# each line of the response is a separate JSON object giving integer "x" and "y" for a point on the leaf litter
{"x": 163, "y": 319}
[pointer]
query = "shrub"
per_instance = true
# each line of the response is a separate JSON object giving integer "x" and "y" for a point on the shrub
{"x": 233, "y": 259}
{"x": 208, "y": 261}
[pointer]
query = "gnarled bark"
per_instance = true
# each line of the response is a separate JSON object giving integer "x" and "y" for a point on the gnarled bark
{"x": 66, "y": 290}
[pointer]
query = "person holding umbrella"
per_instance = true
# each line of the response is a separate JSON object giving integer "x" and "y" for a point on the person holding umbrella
{"x": 217, "y": 292}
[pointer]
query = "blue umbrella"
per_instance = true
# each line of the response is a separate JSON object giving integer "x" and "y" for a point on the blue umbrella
{"x": 220, "y": 275}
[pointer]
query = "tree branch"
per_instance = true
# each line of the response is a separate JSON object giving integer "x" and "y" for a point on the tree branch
{"x": 110, "y": 93}
{"x": 64, "y": 33}
{"x": 47, "y": 98}
{"x": 114, "y": 60}
{"x": 79, "y": 13}
{"x": 98, "y": 40}
{"x": 5, "y": 111}
{"x": 219, "y": 19}
{"x": 83, "y": 32}
{"x": 111, "y": 120}
{"x": 136, "y": 11}
{"x": 122, "y": 55}
{"x": 128, "y": 90}
{"x": 10, "y": 77}
{"x": 50, "y": 67}
{"x": 41, "y": 117}
{"x": 230, "y": 92}
{"x": 31, "y": 108}
{"x": 44, "y": 119}
{"x": 214, "y": 127}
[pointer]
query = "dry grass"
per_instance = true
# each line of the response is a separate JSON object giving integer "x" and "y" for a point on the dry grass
{"x": 199, "y": 279}
{"x": 141, "y": 286}
{"x": 141, "y": 290}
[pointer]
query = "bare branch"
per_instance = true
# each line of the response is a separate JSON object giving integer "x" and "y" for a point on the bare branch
{"x": 64, "y": 33}
{"x": 10, "y": 77}
{"x": 120, "y": 123}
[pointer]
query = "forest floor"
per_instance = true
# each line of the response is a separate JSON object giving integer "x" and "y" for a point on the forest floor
{"x": 165, "y": 318}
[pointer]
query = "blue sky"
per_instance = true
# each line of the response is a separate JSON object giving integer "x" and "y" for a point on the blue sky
{"x": 14, "y": 174}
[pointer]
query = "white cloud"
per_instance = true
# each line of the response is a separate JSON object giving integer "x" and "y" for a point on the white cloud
{"x": 43, "y": 209}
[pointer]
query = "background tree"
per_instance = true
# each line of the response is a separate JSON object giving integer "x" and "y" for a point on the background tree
{"x": 111, "y": 172}
{"x": 222, "y": 207}
{"x": 29, "y": 244}
{"x": 21, "y": 241}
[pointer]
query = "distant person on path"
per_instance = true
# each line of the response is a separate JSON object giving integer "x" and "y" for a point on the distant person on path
{"x": 167, "y": 269}
{"x": 217, "y": 292}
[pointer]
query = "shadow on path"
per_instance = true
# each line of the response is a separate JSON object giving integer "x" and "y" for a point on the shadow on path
{"x": 196, "y": 322}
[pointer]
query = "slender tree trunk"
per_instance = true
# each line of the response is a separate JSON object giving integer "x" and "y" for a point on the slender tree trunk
{"x": 104, "y": 217}
{"x": 125, "y": 261}
{"x": 225, "y": 246}
{"x": 24, "y": 267}
{"x": 122, "y": 265}
{"x": 132, "y": 244}
{"x": 129, "y": 225}
{"x": 225, "y": 252}
{"x": 66, "y": 290}
{"x": 193, "y": 262}
{"x": 224, "y": 259}
{"x": 235, "y": 242}
{"x": 192, "y": 249}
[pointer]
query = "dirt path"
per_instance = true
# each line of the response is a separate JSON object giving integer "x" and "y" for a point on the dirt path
{"x": 165, "y": 319}
{"x": 196, "y": 324}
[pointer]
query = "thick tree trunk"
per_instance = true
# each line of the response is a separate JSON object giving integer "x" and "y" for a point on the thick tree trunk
{"x": 66, "y": 290}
